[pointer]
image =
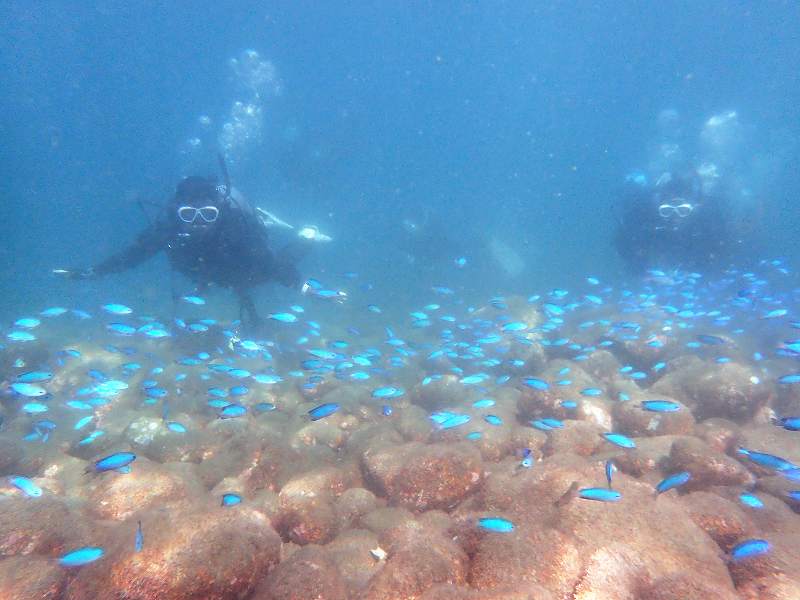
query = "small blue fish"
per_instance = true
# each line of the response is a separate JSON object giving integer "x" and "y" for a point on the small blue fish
{"x": 121, "y": 329}
{"x": 34, "y": 408}
{"x": 264, "y": 407}
{"x": 26, "y": 486}
{"x": 113, "y": 462}
{"x": 789, "y": 423}
{"x": 600, "y": 494}
{"x": 527, "y": 458}
{"x": 619, "y": 440}
{"x": 81, "y": 556}
{"x": 386, "y": 410}
{"x": 610, "y": 467}
{"x": 83, "y": 422}
{"x": 454, "y": 421}
{"x": 673, "y": 481}
{"x": 769, "y": 461}
{"x": 29, "y": 390}
{"x": 138, "y": 543}
{"x": 536, "y": 384}
{"x": 323, "y": 410}
{"x": 196, "y": 300}
{"x": 710, "y": 340}
{"x": 176, "y": 427}
{"x": 20, "y": 336}
{"x": 749, "y": 548}
{"x": 283, "y": 317}
{"x": 55, "y": 311}
{"x": 493, "y": 420}
{"x": 751, "y": 500}
{"x": 387, "y": 392}
{"x": 117, "y": 309}
{"x": 775, "y": 314}
{"x": 27, "y": 322}
{"x": 232, "y": 411}
{"x": 231, "y": 499}
{"x": 483, "y": 403}
{"x": 789, "y": 379}
{"x": 662, "y": 406}
{"x": 34, "y": 377}
{"x": 592, "y": 391}
{"x": 496, "y": 524}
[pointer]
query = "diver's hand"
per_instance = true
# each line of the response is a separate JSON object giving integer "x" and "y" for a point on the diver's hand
{"x": 76, "y": 274}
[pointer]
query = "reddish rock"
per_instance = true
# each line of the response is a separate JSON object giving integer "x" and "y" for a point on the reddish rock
{"x": 306, "y": 520}
{"x": 576, "y": 437}
{"x": 770, "y": 576}
{"x": 679, "y": 586}
{"x": 353, "y": 504}
{"x": 770, "y": 439}
{"x": 371, "y": 437}
{"x": 150, "y": 437}
{"x": 47, "y": 525}
{"x": 536, "y": 404}
{"x": 308, "y": 574}
{"x": 421, "y": 477}
{"x": 722, "y": 435}
{"x": 650, "y": 454}
{"x": 417, "y": 560}
{"x": 10, "y": 454}
{"x": 117, "y": 496}
{"x": 707, "y": 466}
{"x": 381, "y": 519}
{"x": 544, "y": 557}
{"x": 520, "y": 592}
{"x": 447, "y": 391}
{"x": 596, "y": 411}
{"x": 257, "y": 463}
{"x": 631, "y": 419}
{"x": 31, "y": 578}
{"x": 351, "y": 552}
{"x": 614, "y": 572}
{"x": 656, "y": 530}
{"x": 215, "y": 555}
{"x": 413, "y": 423}
{"x": 730, "y": 391}
{"x": 723, "y": 520}
{"x": 326, "y": 482}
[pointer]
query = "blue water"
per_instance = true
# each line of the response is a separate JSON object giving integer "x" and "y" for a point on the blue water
{"x": 502, "y": 120}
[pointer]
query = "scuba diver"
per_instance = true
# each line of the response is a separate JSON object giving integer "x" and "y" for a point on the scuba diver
{"x": 214, "y": 236}
{"x": 671, "y": 223}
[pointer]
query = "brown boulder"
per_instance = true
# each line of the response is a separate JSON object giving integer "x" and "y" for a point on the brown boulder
{"x": 421, "y": 477}
{"x": 707, "y": 466}
{"x": 308, "y": 574}
{"x": 215, "y": 555}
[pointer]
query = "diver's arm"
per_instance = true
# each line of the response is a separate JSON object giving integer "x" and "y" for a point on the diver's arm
{"x": 285, "y": 262}
{"x": 148, "y": 243}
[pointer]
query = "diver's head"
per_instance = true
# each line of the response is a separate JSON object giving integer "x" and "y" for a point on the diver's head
{"x": 197, "y": 204}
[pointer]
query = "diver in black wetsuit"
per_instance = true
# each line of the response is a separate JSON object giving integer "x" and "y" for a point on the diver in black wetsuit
{"x": 672, "y": 224}
{"x": 212, "y": 235}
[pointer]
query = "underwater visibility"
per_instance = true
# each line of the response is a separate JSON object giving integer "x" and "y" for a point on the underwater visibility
{"x": 388, "y": 301}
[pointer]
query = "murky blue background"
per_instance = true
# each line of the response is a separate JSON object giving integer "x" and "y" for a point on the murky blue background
{"x": 504, "y": 121}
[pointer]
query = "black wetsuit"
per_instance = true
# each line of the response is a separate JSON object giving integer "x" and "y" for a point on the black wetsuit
{"x": 699, "y": 241}
{"x": 234, "y": 252}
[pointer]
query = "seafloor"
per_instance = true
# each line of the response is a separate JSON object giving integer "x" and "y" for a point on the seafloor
{"x": 383, "y": 503}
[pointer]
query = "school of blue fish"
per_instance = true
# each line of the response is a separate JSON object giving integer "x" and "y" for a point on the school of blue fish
{"x": 751, "y": 317}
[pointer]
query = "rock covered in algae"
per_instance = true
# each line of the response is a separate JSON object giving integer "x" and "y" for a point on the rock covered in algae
{"x": 308, "y": 574}
{"x": 421, "y": 477}
{"x": 213, "y": 554}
